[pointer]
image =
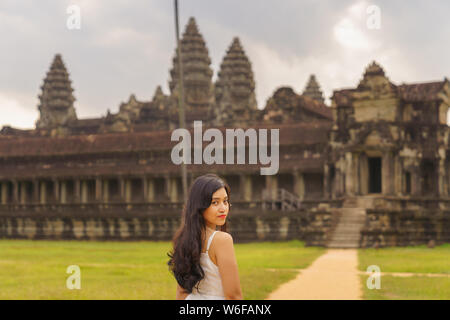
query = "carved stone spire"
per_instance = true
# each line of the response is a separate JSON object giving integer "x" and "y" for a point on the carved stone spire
{"x": 235, "y": 87}
{"x": 312, "y": 89}
{"x": 197, "y": 74}
{"x": 374, "y": 69}
{"x": 375, "y": 81}
{"x": 56, "y": 101}
{"x": 155, "y": 112}
{"x": 158, "y": 93}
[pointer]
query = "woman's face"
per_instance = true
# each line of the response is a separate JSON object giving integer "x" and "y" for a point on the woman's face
{"x": 216, "y": 214}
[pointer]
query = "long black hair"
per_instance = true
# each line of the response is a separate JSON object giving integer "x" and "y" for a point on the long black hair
{"x": 184, "y": 260}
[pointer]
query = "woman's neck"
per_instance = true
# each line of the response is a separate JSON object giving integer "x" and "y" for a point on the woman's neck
{"x": 211, "y": 229}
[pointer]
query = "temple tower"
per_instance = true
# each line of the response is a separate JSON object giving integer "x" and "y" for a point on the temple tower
{"x": 235, "y": 88}
{"x": 312, "y": 89}
{"x": 197, "y": 74}
{"x": 156, "y": 111}
{"x": 56, "y": 101}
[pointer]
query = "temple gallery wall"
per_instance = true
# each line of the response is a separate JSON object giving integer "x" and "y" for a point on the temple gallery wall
{"x": 371, "y": 169}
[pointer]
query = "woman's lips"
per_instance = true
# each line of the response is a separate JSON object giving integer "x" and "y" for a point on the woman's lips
{"x": 222, "y": 216}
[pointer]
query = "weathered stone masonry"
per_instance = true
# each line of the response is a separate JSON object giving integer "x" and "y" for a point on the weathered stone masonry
{"x": 381, "y": 147}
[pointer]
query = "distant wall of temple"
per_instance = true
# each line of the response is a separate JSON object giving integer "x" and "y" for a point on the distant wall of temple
{"x": 250, "y": 225}
{"x": 417, "y": 224}
{"x": 148, "y": 189}
{"x": 385, "y": 228}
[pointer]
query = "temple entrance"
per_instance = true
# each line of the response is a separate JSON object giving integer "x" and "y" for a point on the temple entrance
{"x": 428, "y": 171}
{"x": 407, "y": 182}
{"x": 375, "y": 175}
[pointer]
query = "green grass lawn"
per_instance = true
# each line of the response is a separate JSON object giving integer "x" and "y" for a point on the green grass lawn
{"x": 132, "y": 270}
{"x": 410, "y": 288}
{"x": 138, "y": 270}
{"x": 417, "y": 259}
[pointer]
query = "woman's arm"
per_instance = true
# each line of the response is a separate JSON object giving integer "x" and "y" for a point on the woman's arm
{"x": 181, "y": 293}
{"x": 228, "y": 268}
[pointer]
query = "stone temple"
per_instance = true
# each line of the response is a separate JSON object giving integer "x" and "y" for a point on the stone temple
{"x": 372, "y": 169}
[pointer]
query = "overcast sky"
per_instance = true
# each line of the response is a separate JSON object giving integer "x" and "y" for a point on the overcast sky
{"x": 126, "y": 47}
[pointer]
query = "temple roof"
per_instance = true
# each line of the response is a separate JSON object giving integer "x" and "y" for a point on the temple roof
{"x": 343, "y": 97}
{"x": 292, "y": 134}
{"x": 416, "y": 92}
{"x": 285, "y": 98}
{"x": 421, "y": 91}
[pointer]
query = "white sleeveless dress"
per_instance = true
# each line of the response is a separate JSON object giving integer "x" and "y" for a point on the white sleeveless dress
{"x": 210, "y": 287}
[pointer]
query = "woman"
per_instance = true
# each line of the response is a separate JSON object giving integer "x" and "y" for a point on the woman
{"x": 203, "y": 260}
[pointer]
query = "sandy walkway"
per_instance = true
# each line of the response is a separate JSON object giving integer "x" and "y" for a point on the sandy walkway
{"x": 334, "y": 275}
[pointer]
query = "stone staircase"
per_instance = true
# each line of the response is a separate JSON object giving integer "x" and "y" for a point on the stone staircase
{"x": 280, "y": 199}
{"x": 348, "y": 230}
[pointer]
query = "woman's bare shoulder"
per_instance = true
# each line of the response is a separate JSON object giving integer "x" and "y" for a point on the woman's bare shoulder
{"x": 223, "y": 238}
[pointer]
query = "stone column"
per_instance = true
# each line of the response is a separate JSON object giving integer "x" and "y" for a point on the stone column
{"x": 63, "y": 195}
{"x": 271, "y": 185}
{"x": 416, "y": 187}
{"x": 349, "y": 177}
{"x": 22, "y": 192}
{"x": 56, "y": 194}
{"x": 15, "y": 191}
{"x": 441, "y": 178}
{"x": 173, "y": 190}
{"x": 77, "y": 186}
{"x": 122, "y": 189}
{"x": 145, "y": 188}
{"x": 249, "y": 187}
{"x": 127, "y": 190}
{"x": 398, "y": 174}
{"x": 35, "y": 191}
{"x": 150, "y": 190}
{"x": 84, "y": 191}
{"x": 167, "y": 186}
{"x": 299, "y": 184}
{"x": 385, "y": 173}
{"x": 4, "y": 192}
{"x": 43, "y": 192}
{"x": 364, "y": 174}
{"x": 246, "y": 187}
{"x": 190, "y": 179}
{"x": 98, "y": 189}
{"x": 338, "y": 179}
{"x": 392, "y": 174}
{"x": 105, "y": 190}
{"x": 326, "y": 181}
{"x": 356, "y": 159}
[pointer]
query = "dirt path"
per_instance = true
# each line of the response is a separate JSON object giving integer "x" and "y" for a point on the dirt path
{"x": 334, "y": 275}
